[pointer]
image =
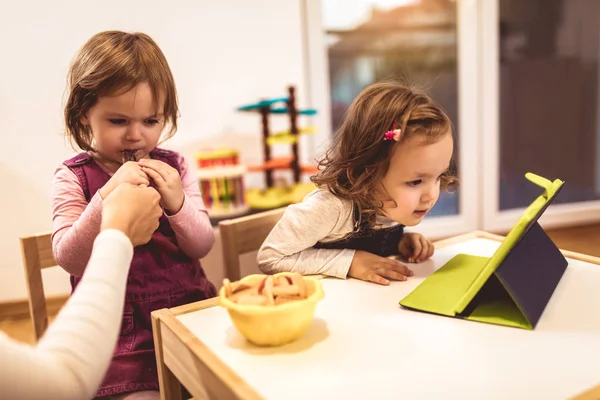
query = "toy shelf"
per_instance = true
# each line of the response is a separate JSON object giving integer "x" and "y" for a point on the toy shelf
{"x": 274, "y": 196}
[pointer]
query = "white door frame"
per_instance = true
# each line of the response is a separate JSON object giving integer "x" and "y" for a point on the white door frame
{"x": 316, "y": 67}
{"x": 557, "y": 215}
{"x": 468, "y": 70}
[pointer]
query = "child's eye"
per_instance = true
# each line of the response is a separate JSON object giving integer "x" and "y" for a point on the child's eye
{"x": 117, "y": 121}
{"x": 415, "y": 183}
{"x": 151, "y": 121}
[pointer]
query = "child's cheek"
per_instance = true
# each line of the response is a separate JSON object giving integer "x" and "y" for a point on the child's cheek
{"x": 406, "y": 201}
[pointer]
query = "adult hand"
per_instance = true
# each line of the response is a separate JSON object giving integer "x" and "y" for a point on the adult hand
{"x": 134, "y": 210}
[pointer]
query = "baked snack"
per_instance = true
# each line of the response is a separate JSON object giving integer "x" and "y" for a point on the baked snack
{"x": 128, "y": 155}
{"x": 266, "y": 290}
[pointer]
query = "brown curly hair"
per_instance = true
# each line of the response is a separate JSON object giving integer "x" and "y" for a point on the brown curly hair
{"x": 111, "y": 63}
{"x": 358, "y": 159}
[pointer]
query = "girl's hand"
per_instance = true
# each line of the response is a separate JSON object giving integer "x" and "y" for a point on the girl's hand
{"x": 372, "y": 268}
{"x": 130, "y": 172}
{"x": 168, "y": 183}
{"x": 415, "y": 248}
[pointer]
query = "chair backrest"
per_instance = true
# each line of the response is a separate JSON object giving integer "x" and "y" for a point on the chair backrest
{"x": 36, "y": 252}
{"x": 243, "y": 235}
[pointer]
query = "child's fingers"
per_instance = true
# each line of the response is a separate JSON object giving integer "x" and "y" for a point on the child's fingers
{"x": 144, "y": 182}
{"x": 151, "y": 163}
{"x": 164, "y": 169}
{"x": 424, "y": 245}
{"x": 397, "y": 266}
{"x": 133, "y": 177}
{"x": 427, "y": 249}
{"x": 156, "y": 177}
{"x": 407, "y": 248}
{"x": 417, "y": 247}
{"x": 390, "y": 274}
{"x": 431, "y": 250}
{"x": 153, "y": 168}
{"x": 139, "y": 180}
{"x": 372, "y": 276}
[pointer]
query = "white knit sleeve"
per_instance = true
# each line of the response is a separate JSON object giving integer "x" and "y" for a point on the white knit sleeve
{"x": 71, "y": 359}
{"x": 289, "y": 246}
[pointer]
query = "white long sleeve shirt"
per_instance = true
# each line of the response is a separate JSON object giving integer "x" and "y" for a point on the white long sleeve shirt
{"x": 71, "y": 359}
{"x": 320, "y": 217}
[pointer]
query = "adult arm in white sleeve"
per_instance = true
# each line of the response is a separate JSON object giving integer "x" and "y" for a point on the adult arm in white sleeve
{"x": 71, "y": 359}
{"x": 289, "y": 246}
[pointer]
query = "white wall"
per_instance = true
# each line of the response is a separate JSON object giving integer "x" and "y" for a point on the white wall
{"x": 223, "y": 54}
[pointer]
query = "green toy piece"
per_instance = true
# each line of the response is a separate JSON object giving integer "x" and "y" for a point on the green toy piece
{"x": 284, "y": 110}
{"x": 262, "y": 104}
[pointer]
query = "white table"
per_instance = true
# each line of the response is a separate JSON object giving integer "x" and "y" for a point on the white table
{"x": 363, "y": 344}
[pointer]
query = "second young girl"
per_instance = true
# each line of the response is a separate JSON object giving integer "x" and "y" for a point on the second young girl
{"x": 384, "y": 171}
{"x": 122, "y": 99}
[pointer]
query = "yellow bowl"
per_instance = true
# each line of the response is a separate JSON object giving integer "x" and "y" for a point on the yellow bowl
{"x": 274, "y": 325}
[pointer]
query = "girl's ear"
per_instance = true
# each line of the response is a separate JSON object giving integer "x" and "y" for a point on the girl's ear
{"x": 84, "y": 120}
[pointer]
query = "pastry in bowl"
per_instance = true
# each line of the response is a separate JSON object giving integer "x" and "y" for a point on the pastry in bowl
{"x": 271, "y": 309}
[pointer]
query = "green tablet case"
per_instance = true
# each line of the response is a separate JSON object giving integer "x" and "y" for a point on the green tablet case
{"x": 510, "y": 288}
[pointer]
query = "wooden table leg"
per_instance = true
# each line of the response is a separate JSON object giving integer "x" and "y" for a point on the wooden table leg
{"x": 170, "y": 388}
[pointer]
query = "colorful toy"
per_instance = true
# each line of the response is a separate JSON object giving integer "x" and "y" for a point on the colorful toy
{"x": 221, "y": 180}
{"x": 280, "y": 195}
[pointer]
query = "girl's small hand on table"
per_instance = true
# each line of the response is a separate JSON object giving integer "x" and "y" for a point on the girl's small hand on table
{"x": 372, "y": 268}
{"x": 415, "y": 248}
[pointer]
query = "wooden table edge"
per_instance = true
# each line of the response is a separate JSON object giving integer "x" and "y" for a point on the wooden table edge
{"x": 168, "y": 318}
{"x": 220, "y": 379}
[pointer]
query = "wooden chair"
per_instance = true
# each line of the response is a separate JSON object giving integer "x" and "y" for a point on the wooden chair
{"x": 243, "y": 235}
{"x": 36, "y": 252}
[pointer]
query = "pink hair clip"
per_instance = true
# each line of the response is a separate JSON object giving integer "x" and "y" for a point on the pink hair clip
{"x": 393, "y": 134}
